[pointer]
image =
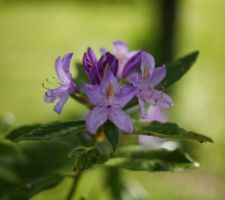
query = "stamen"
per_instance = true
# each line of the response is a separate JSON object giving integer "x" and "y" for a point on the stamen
{"x": 43, "y": 85}
{"x": 54, "y": 84}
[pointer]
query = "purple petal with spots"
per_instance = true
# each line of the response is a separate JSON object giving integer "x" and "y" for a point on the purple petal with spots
{"x": 147, "y": 62}
{"x": 121, "y": 120}
{"x": 95, "y": 118}
{"x": 132, "y": 64}
{"x": 109, "y": 79}
{"x": 158, "y": 98}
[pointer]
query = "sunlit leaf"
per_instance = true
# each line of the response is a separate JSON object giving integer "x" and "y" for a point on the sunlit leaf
{"x": 176, "y": 69}
{"x": 142, "y": 158}
{"x": 46, "y": 131}
{"x": 170, "y": 130}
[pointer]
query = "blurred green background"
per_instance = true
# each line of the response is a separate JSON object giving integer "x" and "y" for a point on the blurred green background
{"x": 33, "y": 34}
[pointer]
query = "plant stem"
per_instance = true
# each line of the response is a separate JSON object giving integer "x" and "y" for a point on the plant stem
{"x": 82, "y": 99}
{"x": 73, "y": 188}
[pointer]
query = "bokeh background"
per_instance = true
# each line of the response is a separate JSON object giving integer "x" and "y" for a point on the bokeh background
{"x": 34, "y": 33}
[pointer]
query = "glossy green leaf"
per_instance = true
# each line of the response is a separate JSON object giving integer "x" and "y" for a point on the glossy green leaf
{"x": 170, "y": 130}
{"x": 32, "y": 187}
{"x": 112, "y": 134}
{"x": 46, "y": 131}
{"x": 176, "y": 69}
{"x": 147, "y": 159}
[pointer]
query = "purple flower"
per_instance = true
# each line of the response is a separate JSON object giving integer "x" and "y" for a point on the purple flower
{"x": 67, "y": 85}
{"x": 122, "y": 53}
{"x": 109, "y": 98}
{"x": 145, "y": 83}
{"x": 96, "y": 69}
{"x": 155, "y": 114}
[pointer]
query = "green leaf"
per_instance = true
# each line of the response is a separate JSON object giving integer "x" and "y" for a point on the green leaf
{"x": 85, "y": 158}
{"x": 176, "y": 69}
{"x": 81, "y": 77}
{"x": 112, "y": 134}
{"x": 33, "y": 186}
{"x": 9, "y": 156}
{"x": 170, "y": 130}
{"x": 148, "y": 159}
{"x": 46, "y": 131}
{"x": 33, "y": 160}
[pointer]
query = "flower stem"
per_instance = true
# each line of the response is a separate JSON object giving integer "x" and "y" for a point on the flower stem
{"x": 73, "y": 188}
{"x": 82, "y": 99}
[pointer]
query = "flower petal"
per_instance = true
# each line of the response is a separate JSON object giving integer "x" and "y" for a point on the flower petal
{"x": 158, "y": 75}
{"x": 120, "y": 49}
{"x": 109, "y": 79}
{"x": 93, "y": 93}
{"x": 156, "y": 114}
{"x": 66, "y": 62}
{"x": 126, "y": 93}
{"x": 158, "y": 98}
{"x": 49, "y": 99}
{"x": 151, "y": 141}
{"x": 59, "y": 106}
{"x": 90, "y": 65}
{"x": 147, "y": 65}
{"x": 107, "y": 62}
{"x": 62, "y": 76}
{"x": 132, "y": 64}
{"x": 57, "y": 92}
{"x": 95, "y": 118}
{"x": 134, "y": 78}
{"x": 121, "y": 120}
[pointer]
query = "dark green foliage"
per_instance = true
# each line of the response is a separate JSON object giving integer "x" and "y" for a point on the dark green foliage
{"x": 141, "y": 158}
{"x": 35, "y": 161}
{"x": 81, "y": 77}
{"x": 176, "y": 69}
{"x": 33, "y": 186}
{"x": 169, "y": 130}
{"x": 46, "y": 131}
{"x": 112, "y": 134}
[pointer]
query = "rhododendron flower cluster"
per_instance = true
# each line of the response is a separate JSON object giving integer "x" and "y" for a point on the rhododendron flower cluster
{"x": 115, "y": 79}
